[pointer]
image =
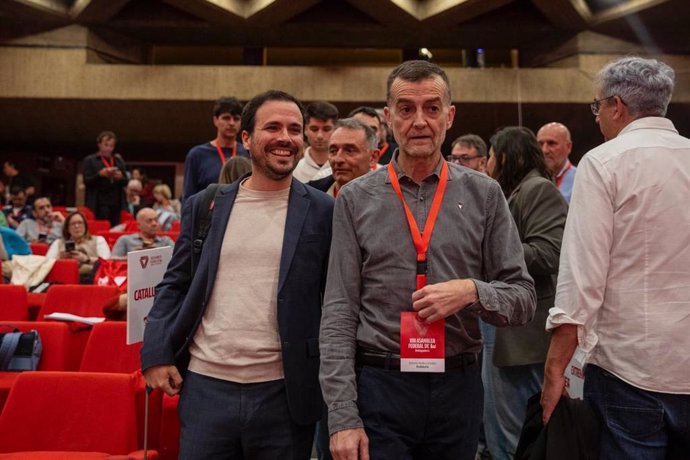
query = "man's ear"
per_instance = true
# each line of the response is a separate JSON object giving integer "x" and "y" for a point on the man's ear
{"x": 375, "y": 155}
{"x": 246, "y": 140}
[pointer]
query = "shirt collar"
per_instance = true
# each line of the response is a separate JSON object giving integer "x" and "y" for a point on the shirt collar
{"x": 400, "y": 173}
{"x": 650, "y": 123}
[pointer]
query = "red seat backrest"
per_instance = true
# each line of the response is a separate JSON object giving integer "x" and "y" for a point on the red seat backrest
{"x": 107, "y": 350}
{"x": 87, "y": 212}
{"x": 14, "y": 305}
{"x": 55, "y": 340}
{"x": 39, "y": 249}
{"x": 78, "y": 299}
{"x": 65, "y": 271}
{"x": 70, "y": 411}
{"x": 111, "y": 237}
{"x": 97, "y": 226}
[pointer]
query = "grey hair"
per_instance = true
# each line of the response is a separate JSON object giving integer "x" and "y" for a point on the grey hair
{"x": 644, "y": 85}
{"x": 471, "y": 141}
{"x": 370, "y": 135}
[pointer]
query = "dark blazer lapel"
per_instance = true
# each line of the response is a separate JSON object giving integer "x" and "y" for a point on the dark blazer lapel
{"x": 298, "y": 206}
{"x": 219, "y": 222}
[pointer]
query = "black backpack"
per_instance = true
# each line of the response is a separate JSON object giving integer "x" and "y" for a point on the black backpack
{"x": 203, "y": 222}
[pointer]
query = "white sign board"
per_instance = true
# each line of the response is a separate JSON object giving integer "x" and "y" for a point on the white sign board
{"x": 145, "y": 269}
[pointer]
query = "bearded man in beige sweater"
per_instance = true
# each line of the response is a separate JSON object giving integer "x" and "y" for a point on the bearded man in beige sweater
{"x": 242, "y": 328}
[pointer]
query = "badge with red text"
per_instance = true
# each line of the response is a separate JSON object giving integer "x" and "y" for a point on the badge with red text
{"x": 422, "y": 345}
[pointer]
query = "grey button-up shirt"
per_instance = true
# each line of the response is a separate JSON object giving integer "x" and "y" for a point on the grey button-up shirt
{"x": 372, "y": 270}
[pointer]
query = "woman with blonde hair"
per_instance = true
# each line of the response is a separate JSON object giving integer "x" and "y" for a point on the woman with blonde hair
{"x": 168, "y": 209}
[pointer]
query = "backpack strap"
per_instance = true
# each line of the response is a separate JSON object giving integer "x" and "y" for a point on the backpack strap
{"x": 203, "y": 221}
{"x": 8, "y": 346}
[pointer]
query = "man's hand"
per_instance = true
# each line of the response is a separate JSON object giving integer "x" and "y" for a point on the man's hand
{"x": 117, "y": 174}
{"x": 164, "y": 377}
{"x": 554, "y": 388}
{"x": 56, "y": 216}
{"x": 350, "y": 444}
{"x": 438, "y": 301}
{"x": 563, "y": 343}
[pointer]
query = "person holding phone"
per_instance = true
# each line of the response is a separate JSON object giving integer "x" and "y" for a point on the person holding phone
{"x": 77, "y": 243}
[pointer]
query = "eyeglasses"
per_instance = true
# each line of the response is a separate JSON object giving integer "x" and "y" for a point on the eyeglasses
{"x": 461, "y": 159}
{"x": 596, "y": 105}
{"x": 76, "y": 223}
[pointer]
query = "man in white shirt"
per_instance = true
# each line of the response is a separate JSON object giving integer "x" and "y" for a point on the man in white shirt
{"x": 319, "y": 119}
{"x": 556, "y": 145}
{"x": 623, "y": 289}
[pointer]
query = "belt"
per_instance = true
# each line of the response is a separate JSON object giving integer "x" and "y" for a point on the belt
{"x": 391, "y": 361}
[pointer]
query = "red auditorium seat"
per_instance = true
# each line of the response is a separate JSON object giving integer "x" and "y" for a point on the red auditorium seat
{"x": 64, "y": 412}
{"x": 65, "y": 271}
{"x": 98, "y": 225}
{"x": 107, "y": 350}
{"x": 55, "y": 338}
{"x": 169, "y": 442}
{"x": 111, "y": 237}
{"x": 175, "y": 226}
{"x": 78, "y": 299}
{"x": 15, "y": 304}
{"x": 39, "y": 249}
{"x": 88, "y": 213}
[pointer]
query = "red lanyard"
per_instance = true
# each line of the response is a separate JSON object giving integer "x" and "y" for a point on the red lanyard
{"x": 421, "y": 240}
{"x": 559, "y": 179}
{"x": 222, "y": 155}
{"x": 106, "y": 163}
{"x": 383, "y": 149}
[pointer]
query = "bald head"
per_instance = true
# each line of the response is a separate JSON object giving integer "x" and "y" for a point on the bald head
{"x": 555, "y": 143}
{"x": 147, "y": 220}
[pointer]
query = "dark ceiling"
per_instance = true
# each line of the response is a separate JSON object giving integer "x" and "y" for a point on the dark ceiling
{"x": 656, "y": 25}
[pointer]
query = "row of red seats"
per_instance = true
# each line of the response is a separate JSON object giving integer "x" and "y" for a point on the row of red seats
{"x": 103, "y": 350}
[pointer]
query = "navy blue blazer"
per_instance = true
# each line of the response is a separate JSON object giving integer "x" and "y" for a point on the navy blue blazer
{"x": 182, "y": 296}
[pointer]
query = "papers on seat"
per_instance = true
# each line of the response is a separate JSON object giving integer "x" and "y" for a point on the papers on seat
{"x": 57, "y": 316}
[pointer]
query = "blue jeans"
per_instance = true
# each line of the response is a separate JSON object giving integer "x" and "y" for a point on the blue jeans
{"x": 506, "y": 391}
{"x": 636, "y": 423}
{"x": 222, "y": 420}
{"x": 420, "y": 415}
{"x": 492, "y": 430}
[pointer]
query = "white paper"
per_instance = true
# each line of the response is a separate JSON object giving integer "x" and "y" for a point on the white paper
{"x": 575, "y": 374}
{"x": 58, "y": 316}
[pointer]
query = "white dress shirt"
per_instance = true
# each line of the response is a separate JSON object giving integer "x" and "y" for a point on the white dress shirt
{"x": 624, "y": 276}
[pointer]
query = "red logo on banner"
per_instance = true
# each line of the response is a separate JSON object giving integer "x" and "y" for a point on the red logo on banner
{"x": 144, "y": 261}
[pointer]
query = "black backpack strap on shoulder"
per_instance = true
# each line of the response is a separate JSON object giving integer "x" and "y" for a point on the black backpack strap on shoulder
{"x": 203, "y": 221}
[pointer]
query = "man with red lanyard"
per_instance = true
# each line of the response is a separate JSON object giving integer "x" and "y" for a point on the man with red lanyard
{"x": 556, "y": 145}
{"x": 421, "y": 250}
{"x": 105, "y": 178}
{"x": 204, "y": 162}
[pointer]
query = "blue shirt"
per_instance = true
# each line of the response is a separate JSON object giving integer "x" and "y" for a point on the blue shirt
{"x": 202, "y": 166}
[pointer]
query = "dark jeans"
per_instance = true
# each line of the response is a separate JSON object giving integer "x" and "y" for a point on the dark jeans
{"x": 421, "y": 415}
{"x": 226, "y": 420}
{"x": 636, "y": 423}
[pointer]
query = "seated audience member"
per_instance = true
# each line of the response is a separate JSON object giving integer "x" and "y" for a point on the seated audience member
{"x": 45, "y": 227}
{"x": 147, "y": 238}
{"x": 233, "y": 169}
{"x": 139, "y": 174}
{"x": 133, "y": 196}
{"x": 77, "y": 243}
{"x": 17, "y": 210}
{"x": 168, "y": 209}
